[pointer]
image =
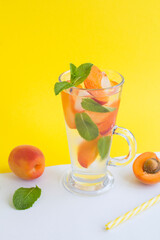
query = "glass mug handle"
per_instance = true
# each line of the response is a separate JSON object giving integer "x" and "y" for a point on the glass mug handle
{"x": 123, "y": 161}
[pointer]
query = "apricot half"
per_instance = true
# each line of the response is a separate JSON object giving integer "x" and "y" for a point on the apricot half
{"x": 146, "y": 168}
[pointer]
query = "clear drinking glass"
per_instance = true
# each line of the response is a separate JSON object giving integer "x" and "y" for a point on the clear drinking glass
{"x": 89, "y": 173}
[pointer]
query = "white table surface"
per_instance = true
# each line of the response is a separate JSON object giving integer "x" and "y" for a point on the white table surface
{"x": 60, "y": 215}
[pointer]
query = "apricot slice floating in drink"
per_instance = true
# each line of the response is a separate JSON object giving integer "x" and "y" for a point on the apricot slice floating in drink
{"x": 77, "y": 96}
{"x": 93, "y": 81}
{"x": 105, "y": 121}
{"x": 97, "y": 80}
{"x": 71, "y": 105}
{"x": 87, "y": 152}
{"x": 146, "y": 168}
{"x": 110, "y": 120}
{"x": 69, "y": 112}
{"x": 113, "y": 83}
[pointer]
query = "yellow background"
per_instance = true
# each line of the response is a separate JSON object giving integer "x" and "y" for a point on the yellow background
{"x": 38, "y": 40}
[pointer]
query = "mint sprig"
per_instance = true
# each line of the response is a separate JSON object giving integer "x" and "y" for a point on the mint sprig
{"x": 24, "y": 198}
{"x": 91, "y": 105}
{"x": 104, "y": 144}
{"x": 78, "y": 75}
{"x": 81, "y": 73}
{"x": 86, "y": 127}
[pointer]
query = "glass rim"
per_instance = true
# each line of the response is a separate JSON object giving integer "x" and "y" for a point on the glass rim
{"x": 95, "y": 89}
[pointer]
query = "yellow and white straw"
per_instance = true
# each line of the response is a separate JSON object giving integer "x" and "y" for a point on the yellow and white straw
{"x": 132, "y": 213}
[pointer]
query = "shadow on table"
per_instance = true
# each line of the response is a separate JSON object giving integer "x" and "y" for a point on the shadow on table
{"x": 130, "y": 178}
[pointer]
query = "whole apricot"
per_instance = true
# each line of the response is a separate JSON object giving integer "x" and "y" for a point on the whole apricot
{"x": 27, "y": 162}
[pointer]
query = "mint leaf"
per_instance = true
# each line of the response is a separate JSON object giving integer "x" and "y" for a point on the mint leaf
{"x": 104, "y": 144}
{"x": 78, "y": 75}
{"x": 24, "y": 198}
{"x": 86, "y": 127}
{"x": 60, "y": 86}
{"x": 91, "y": 105}
{"x": 82, "y": 73}
{"x": 72, "y": 71}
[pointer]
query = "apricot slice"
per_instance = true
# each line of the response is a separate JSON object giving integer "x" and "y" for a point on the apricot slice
{"x": 146, "y": 168}
{"x": 93, "y": 81}
{"x": 110, "y": 120}
{"x": 113, "y": 83}
{"x": 105, "y": 121}
{"x": 76, "y": 98}
{"x": 71, "y": 105}
{"x": 87, "y": 152}
{"x": 68, "y": 110}
{"x": 106, "y": 96}
{"x": 97, "y": 80}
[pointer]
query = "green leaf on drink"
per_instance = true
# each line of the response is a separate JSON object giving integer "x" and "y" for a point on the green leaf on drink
{"x": 78, "y": 75}
{"x": 60, "y": 86}
{"x": 86, "y": 127}
{"x": 91, "y": 105}
{"x": 24, "y": 198}
{"x": 104, "y": 144}
{"x": 72, "y": 72}
{"x": 82, "y": 73}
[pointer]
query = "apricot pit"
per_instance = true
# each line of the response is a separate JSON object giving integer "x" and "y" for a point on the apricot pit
{"x": 151, "y": 165}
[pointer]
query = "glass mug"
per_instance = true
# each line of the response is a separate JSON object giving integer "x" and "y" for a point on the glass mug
{"x": 89, "y": 133}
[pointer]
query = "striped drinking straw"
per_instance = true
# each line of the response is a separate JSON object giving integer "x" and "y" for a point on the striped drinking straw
{"x": 132, "y": 213}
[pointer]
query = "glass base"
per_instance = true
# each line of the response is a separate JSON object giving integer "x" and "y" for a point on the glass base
{"x": 88, "y": 188}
